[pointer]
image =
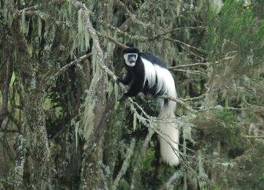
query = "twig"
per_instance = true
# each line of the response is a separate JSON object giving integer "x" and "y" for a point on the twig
{"x": 190, "y": 72}
{"x": 174, "y": 177}
{"x": 139, "y": 107}
{"x": 31, "y": 8}
{"x": 74, "y": 62}
{"x": 190, "y": 65}
{"x": 180, "y": 102}
{"x": 132, "y": 16}
{"x": 223, "y": 108}
{"x": 9, "y": 131}
{"x": 147, "y": 121}
{"x": 125, "y": 164}
{"x": 185, "y": 44}
{"x": 128, "y": 21}
{"x": 194, "y": 98}
{"x": 249, "y": 136}
{"x": 175, "y": 29}
{"x": 141, "y": 157}
{"x": 112, "y": 40}
{"x": 51, "y": 77}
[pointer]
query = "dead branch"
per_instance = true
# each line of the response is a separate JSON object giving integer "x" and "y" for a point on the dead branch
{"x": 255, "y": 137}
{"x": 194, "y": 72}
{"x": 180, "y": 102}
{"x": 191, "y": 65}
{"x": 123, "y": 46}
{"x": 185, "y": 44}
{"x": 125, "y": 164}
{"x": 74, "y": 62}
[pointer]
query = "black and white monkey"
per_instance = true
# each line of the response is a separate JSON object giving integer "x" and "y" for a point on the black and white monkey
{"x": 149, "y": 75}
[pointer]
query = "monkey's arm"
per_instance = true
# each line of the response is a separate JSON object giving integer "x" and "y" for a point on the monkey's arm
{"x": 127, "y": 79}
{"x": 134, "y": 89}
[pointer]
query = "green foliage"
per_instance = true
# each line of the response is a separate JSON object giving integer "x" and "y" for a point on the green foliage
{"x": 226, "y": 116}
{"x": 222, "y": 126}
{"x": 150, "y": 156}
{"x": 229, "y": 129}
{"x": 235, "y": 32}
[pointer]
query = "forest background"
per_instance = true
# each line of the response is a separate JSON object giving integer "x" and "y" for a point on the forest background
{"x": 62, "y": 126}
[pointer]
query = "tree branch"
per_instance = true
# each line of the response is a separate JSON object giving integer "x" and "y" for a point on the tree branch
{"x": 190, "y": 65}
{"x": 174, "y": 177}
{"x": 180, "y": 102}
{"x": 112, "y": 40}
{"x": 125, "y": 164}
{"x": 130, "y": 20}
{"x": 132, "y": 17}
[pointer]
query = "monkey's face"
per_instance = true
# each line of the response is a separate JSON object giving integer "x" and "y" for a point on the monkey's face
{"x": 130, "y": 59}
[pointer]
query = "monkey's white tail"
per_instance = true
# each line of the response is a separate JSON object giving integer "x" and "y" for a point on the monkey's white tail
{"x": 161, "y": 79}
{"x": 169, "y": 140}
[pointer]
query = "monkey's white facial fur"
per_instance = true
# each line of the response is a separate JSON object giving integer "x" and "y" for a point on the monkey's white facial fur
{"x": 130, "y": 59}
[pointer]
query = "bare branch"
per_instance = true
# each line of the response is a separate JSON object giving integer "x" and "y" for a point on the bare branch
{"x": 49, "y": 78}
{"x": 256, "y": 137}
{"x": 113, "y": 40}
{"x": 28, "y": 10}
{"x": 194, "y": 98}
{"x": 180, "y": 102}
{"x": 194, "y": 72}
{"x": 74, "y": 62}
{"x": 185, "y": 44}
{"x": 175, "y": 29}
{"x": 190, "y": 65}
{"x": 125, "y": 164}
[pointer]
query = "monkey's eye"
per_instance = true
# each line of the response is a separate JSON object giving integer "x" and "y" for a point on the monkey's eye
{"x": 131, "y": 57}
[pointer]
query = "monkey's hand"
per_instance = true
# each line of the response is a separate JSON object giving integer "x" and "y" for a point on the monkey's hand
{"x": 125, "y": 80}
{"x": 120, "y": 80}
{"x": 123, "y": 98}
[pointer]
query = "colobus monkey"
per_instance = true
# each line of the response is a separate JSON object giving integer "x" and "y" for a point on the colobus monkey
{"x": 149, "y": 75}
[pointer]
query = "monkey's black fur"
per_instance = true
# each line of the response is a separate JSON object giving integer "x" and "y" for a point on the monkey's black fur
{"x": 135, "y": 75}
{"x": 148, "y": 74}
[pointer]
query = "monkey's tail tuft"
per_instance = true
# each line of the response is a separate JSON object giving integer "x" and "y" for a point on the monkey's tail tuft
{"x": 169, "y": 140}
